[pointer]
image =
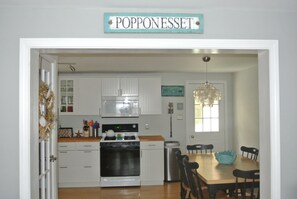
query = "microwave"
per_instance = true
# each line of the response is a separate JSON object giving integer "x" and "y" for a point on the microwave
{"x": 119, "y": 107}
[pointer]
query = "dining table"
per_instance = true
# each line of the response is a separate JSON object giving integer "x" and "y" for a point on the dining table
{"x": 218, "y": 176}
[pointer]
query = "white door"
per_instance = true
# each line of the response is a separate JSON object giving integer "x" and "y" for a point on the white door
{"x": 48, "y": 144}
{"x": 217, "y": 138}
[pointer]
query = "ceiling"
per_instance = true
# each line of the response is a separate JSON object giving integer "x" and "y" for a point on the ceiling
{"x": 111, "y": 61}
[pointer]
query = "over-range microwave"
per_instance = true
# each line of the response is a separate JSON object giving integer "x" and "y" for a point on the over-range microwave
{"x": 119, "y": 107}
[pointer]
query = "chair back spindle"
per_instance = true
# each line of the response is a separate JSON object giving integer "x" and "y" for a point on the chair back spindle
{"x": 200, "y": 148}
{"x": 250, "y": 152}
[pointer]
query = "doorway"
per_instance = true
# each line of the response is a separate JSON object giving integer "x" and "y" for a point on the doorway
{"x": 269, "y": 84}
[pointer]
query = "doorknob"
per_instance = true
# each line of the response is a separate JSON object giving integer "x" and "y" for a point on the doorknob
{"x": 53, "y": 158}
{"x": 192, "y": 136}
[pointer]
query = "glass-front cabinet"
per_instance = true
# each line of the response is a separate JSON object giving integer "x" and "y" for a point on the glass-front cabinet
{"x": 67, "y": 96}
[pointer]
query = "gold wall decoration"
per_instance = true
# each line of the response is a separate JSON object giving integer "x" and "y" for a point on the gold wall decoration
{"x": 46, "y": 110}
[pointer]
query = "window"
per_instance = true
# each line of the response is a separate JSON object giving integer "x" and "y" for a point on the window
{"x": 206, "y": 118}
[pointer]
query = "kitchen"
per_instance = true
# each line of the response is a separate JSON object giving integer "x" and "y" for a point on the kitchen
{"x": 149, "y": 124}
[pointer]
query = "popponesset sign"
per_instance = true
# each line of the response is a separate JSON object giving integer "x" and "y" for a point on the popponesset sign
{"x": 152, "y": 23}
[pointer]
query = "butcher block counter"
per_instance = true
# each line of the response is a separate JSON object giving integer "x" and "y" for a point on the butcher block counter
{"x": 81, "y": 139}
{"x": 149, "y": 138}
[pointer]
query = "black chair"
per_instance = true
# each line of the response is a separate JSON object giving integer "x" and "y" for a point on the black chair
{"x": 202, "y": 148}
{"x": 248, "y": 184}
{"x": 250, "y": 152}
{"x": 195, "y": 182}
{"x": 184, "y": 183}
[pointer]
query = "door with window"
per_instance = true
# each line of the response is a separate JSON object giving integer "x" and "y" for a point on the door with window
{"x": 205, "y": 125}
{"x": 48, "y": 133}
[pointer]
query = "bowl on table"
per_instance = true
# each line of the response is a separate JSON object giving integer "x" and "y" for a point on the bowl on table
{"x": 226, "y": 157}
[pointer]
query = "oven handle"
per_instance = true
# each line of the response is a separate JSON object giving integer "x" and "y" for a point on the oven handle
{"x": 119, "y": 148}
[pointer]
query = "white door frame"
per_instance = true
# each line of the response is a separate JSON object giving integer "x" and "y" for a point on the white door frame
{"x": 273, "y": 188}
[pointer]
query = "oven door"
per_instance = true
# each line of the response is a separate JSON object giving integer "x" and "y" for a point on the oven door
{"x": 120, "y": 159}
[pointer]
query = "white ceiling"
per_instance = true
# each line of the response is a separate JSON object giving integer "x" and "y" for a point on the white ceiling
{"x": 109, "y": 61}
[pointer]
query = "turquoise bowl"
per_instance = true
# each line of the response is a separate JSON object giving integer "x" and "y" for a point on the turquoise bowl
{"x": 226, "y": 157}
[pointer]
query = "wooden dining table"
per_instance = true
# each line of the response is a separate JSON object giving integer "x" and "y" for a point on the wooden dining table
{"x": 218, "y": 176}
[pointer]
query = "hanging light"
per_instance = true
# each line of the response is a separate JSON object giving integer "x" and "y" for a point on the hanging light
{"x": 207, "y": 94}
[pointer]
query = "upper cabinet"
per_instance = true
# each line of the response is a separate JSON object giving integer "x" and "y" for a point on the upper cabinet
{"x": 80, "y": 96}
{"x": 66, "y": 93}
{"x": 150, "y": 95}
{"x": 120, "y": 87}
{"x": 83, "y": 95}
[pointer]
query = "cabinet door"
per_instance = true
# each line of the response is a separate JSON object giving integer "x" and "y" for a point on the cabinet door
{"x": 67, "y": 95}
{"x": 79, "y": 165}
{"x": 129, "y": 87}
{"x": 89, "y": 94}
{"x": 110, "y": 86}
{"x": 150, "y": 96}
{"x": 152, "y": 163}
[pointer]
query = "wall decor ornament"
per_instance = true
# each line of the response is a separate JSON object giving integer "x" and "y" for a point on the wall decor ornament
{"x": 46, "y": 110}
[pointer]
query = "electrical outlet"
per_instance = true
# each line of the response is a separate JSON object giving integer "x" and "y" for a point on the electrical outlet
{"x": 147, "y": 126}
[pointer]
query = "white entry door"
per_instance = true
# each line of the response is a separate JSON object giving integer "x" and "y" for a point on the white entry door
{"x": 216, "y": 138}
{"x": 48, "y": 144}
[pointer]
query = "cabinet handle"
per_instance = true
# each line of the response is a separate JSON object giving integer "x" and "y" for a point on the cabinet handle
{"x": 151, "y": 145}
{"x": 87, "y": 167}
{"x": 63, "y": 151}
{"x": 87, "y": 151}
{"x": 63, "y": 146}
{"x": 88, "y": 145}
{"x": 63, "y": 167}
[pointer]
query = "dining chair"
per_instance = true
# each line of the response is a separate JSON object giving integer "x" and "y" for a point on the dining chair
{"x": 184, "y": 183}
{"x": 250, "y": 152}
{"x": 202, "y": 148}
{"x": 248, "y": 184}
{"x": 195, "y": 182}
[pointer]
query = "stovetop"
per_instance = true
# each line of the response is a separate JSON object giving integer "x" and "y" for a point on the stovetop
{"x": 120, "y": 137}
{"x": 122, "y": 133}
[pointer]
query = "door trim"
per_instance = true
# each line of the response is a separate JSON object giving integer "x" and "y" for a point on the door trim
{"x": 26, "y": 85}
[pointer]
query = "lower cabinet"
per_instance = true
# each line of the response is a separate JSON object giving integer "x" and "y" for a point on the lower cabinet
{"x": 152, "y": 163}
{"x": 78, "y": 164}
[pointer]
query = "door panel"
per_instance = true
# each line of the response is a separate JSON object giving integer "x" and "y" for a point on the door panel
{"x": 48, "y": 145}
{"x": 218, "y": 139}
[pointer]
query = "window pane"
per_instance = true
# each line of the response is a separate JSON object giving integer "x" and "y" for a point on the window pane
{"x": 215, "y": 125}
{"x": 206, "y": 125}
{"x": 215, "y": 111}
{"x": 198, "y": 125}
{"x": 206, "y": 118}
{"x": 206, "y": 112}
{"x": 198, "y": 111}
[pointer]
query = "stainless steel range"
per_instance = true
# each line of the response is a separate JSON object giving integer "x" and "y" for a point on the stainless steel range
{"x": 120, "y": 155}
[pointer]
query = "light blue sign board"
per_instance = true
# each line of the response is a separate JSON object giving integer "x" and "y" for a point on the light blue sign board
{"x": 153, "y": 23}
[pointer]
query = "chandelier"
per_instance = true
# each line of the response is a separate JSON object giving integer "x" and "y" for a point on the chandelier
{"x": 207, "y": 94}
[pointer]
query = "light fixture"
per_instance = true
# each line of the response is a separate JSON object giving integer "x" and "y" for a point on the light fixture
{"x": 207, "y": 94}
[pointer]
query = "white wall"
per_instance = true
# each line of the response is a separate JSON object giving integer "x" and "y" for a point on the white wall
{"x": 230, "y": 19}
{"x": 246, "y": 108}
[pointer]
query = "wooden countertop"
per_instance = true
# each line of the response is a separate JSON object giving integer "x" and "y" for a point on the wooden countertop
{"x": 147, "y": 138}
{"x": 142, "y": 138}
{"x": 81, "y": 139}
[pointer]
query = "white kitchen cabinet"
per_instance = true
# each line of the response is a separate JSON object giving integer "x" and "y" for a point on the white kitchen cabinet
{"x": 67, "y": 96}
{"x": 152, "y": 163}
{"x": 78, "y": 164}
{"x": 80, "y": 96}
{"x": 150, "y": 96}
{"x": 119, "y": 86}
{"x": 89, "y": 92}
